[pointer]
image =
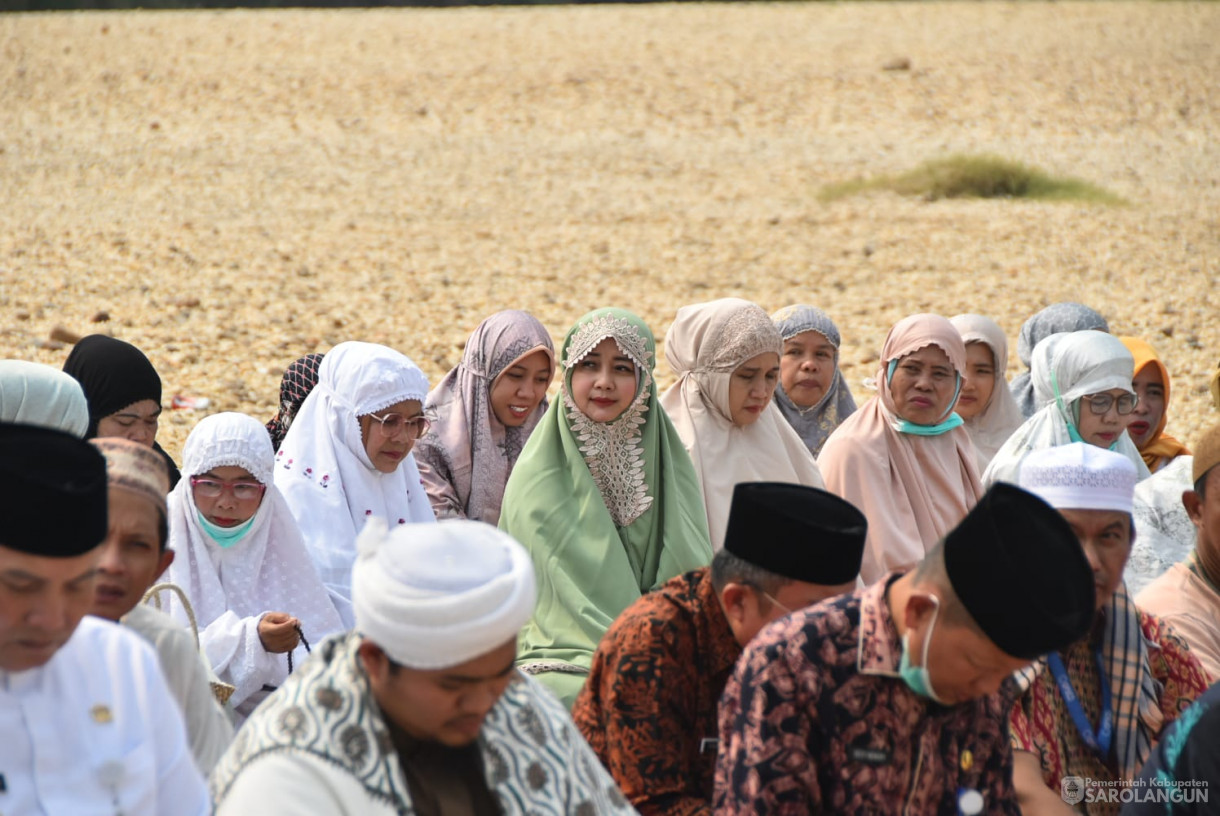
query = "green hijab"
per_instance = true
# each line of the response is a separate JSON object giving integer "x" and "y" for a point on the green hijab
{"x": 609, "y": 511}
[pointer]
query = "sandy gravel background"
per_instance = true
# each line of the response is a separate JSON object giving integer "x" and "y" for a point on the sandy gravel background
{"x": 238, "y": 188}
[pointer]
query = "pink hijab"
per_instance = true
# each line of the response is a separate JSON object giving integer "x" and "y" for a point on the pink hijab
{"x": 913, "y": 489}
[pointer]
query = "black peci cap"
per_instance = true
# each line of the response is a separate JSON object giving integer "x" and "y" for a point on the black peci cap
{"x": 54, "y": 492}
{"x": 798, "y": 532}
{"x": 1021, "y": 573}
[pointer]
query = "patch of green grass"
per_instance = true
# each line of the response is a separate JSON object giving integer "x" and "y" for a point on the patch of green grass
{"x": 963, "y": 176}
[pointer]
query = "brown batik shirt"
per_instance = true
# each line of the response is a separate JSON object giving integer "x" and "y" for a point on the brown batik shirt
{"x": 648, "y": 708}
{"x": 816, "y": 720}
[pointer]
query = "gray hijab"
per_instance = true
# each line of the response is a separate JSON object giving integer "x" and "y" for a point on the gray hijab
{"x": 815, "y": 423}
{"x": 1058, "y": 318}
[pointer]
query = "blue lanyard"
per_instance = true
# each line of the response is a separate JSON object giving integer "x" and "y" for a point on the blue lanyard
{"x": 1099, "y": 742}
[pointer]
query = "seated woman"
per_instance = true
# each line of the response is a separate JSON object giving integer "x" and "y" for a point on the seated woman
{"x": 812, "y": 394}
{"x": 482, "y": 413}
{"x": 298, "y": 380}
{"x": 240, "y": 559}
{"x": 123, "y": 390}
{"x": 1147, "y": 427}
{"x": 726, "y": 354}
{"x": 1058, "y": 318}
{"x": 1082, "y": 382}
{"x": 905, "y": 458}
{"x": 37, "y": 394}
{"x": 348, "y": 456}
{"x": 990, "y": 413}
{"x": 603, "y": 496}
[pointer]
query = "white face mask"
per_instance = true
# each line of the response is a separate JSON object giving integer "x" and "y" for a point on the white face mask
{"x": 917, "y": 678}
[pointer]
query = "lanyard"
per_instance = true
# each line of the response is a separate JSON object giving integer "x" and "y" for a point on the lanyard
{"x": 1099, "y": 741}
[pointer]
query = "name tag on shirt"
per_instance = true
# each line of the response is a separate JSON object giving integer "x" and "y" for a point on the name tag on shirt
{"x": 869, "y": 756}
{"x": 709, "y": 745}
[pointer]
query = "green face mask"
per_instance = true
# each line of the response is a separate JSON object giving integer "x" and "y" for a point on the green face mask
{"x": 225, "y": 537}
{"x": 916, "y": 677}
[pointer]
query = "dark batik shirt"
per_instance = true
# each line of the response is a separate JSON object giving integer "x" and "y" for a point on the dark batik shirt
{"x": 649, "y": 705}
{"x": 816, "y": 720}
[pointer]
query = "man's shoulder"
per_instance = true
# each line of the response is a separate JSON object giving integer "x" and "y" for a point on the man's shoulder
{"x": 157, "y": 627}
{"x": 94, "y": 636}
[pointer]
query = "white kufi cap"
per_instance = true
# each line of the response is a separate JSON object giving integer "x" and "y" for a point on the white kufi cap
{"x": 433, "y": 596}
{"x": 1080, "y": 476}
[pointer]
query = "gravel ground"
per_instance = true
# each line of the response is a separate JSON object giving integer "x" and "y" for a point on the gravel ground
{"x": 234, "y": 189}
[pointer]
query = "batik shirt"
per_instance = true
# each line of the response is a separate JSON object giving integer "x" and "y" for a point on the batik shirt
{"x": 816, "y": 720}
{"x": 1042, "y": 724}
{"x": 648, "y": 708}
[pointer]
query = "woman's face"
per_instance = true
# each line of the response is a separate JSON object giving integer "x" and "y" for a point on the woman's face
{"x": 807, "y": 368}
{"x": 1151, "y": 407}
{"x": 978, "y": 382}
{"x": 604, "y": 382}
{"x": 389, "y": 435}
{"x": 137, "y": 422}
{"x": 922, "y": 386}
{"x": 1102, "y": 430}
{"x": 751, "y": 387}
{"x": 227, "y": 496}
{"x": 520, "y": 388}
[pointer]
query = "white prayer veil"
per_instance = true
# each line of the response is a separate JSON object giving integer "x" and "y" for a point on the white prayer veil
{"x": 268, "y": 570}
{"x": 1066, "y": 367}
{"x": 325, "y": 472}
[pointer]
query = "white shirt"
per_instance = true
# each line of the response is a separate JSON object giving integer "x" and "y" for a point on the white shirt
{"x": 96, "y": 731}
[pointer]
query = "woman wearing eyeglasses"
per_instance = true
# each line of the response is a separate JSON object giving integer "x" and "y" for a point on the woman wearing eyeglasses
{"x": 1082, "y": 385}
{"x": 347, "y": 457}
{"x": 240, "y": 559}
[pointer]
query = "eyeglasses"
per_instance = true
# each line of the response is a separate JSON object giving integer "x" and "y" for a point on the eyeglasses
{"x": 392, "y": 423}
{"x": 212, "y": 488}
{"x": 1100, "y": 404}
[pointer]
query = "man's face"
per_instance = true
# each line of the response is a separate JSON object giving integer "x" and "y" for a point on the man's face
{"x": 1205, "y": 513}
{"x": 444, "y": 705}
{"x": 1106, "y": 538}
{"x": 132, "y": 555}
{"x": 42, "y": 600}
{"x": 748, "y": 609}
{"x": 962, "y": 663}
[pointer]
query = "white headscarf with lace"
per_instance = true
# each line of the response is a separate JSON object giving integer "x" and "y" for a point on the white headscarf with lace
{"x": 324, "y": 471}
{"x": 1065, "y": 368}
{"x": 704, "y": 346}
{"x": 268, "y": 570}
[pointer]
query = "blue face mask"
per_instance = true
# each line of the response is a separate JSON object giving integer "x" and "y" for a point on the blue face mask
{"x": 225, "y": 537}
{"x": 916, "y": 677}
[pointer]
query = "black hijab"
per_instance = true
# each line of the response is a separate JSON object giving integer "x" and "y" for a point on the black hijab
{"x": 114, "y": 374}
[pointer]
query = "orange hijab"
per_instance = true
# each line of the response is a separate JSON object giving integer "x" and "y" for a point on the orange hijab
{"x": 1160, "y": 447}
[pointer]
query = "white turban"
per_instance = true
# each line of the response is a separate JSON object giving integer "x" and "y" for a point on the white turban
{"x": 1080, "y": 476}
{"x": 437, "y": 595}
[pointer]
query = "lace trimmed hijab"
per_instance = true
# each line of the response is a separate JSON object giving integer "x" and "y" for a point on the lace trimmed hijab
{"x": 704, "y": 346}
{"x": 608, "y": 511}
{"x": 815, "y": 423}
{"x": 324, "y": 471}
{"x": 466, "y": 458}
{"x": 913, "y": 489}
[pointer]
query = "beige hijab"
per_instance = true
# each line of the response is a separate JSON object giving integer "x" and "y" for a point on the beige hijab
{"x": 704, "y": 346}
{"x": 913, "y": 489}
{"x": 1001, "y": 416}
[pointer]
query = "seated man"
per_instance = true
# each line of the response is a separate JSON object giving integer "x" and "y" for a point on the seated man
{"x": 649, "y": 706}
{"x": 133, "y": 555}
{"x": 88, "y": 723}
{"x": 1094, "y": 707}
{"x": 1187, "y": 597}
{"x": 895, "y": 698}
{"x": 419, "y": 710}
